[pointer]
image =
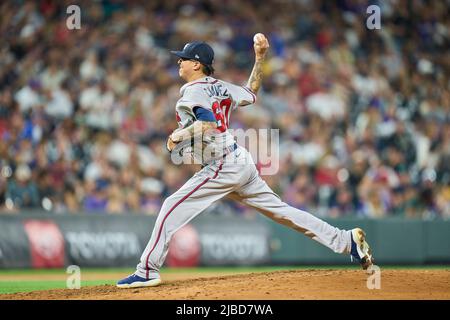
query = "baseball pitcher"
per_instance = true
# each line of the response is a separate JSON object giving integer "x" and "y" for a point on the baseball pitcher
{"x": 203, "y": 115}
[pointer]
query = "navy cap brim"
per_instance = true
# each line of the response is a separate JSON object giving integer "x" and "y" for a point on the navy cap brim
{"x": 181, "y": 54}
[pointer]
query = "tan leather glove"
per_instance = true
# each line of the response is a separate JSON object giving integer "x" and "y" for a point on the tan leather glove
{"x": 170, "y": 144}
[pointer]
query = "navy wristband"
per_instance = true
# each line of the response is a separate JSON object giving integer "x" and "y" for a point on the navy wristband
{"x": 204, "y": 115}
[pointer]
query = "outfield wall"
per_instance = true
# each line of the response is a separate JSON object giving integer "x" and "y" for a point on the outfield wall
{"x": 49, "y": 241}
{"x": 394, "y": 241}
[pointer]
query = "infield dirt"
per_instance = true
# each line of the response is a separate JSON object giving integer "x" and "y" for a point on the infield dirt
{"x": 278, "y": 285}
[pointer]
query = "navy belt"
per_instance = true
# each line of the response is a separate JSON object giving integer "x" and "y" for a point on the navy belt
{"x": 230, "y": 149}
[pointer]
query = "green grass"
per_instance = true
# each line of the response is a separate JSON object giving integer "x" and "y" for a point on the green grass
{"x": 27, "y": 286}
{"x": 60, "y": 271}
{"x": 10, "y": 286}
{"x": 213, "y": 269}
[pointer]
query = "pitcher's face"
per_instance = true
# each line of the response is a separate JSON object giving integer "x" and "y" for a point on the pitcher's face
{"x": 187, "y": 68}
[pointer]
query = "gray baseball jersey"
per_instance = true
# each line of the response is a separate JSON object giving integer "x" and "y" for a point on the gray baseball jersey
{"x": 233, "y": 175}
{"x": 219, "y": 97}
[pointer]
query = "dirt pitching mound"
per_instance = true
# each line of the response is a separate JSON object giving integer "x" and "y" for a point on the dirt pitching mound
{"x": 279, "y": 285}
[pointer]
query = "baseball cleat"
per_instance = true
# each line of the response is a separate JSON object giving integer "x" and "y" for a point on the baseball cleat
{"x": 360, "y": 248}
{"x": 134, "y": 281}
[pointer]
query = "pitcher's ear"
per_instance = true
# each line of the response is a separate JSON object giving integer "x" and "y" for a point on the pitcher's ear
{"x": 197, "y": 65}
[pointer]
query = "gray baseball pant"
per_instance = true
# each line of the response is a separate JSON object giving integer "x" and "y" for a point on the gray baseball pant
{"x": 234, "y": 176}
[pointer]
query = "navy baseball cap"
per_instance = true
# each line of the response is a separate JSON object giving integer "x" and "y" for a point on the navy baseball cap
{"x": 200, "y": 51}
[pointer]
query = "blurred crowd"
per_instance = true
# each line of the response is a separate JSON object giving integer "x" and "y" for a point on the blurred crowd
{"x": 363, "y": 114}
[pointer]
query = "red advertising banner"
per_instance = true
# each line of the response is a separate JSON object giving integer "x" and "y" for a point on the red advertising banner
{"x": 46, "y": 243}
{"x": 184, "y": 248}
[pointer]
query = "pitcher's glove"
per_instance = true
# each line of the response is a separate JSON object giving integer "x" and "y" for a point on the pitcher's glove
{"x": 171, "y": 144}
